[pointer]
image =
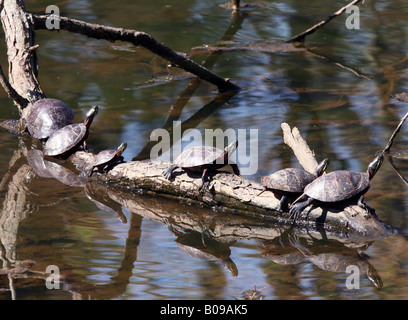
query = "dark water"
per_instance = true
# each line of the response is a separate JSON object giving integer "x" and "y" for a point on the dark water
{"x": 338, "y": 90}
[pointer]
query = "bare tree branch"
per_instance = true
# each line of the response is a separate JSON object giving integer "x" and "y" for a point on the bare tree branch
{"x": 13, "y": 94}
{"x": 300, "y": 147}
{"x": 301, "y": 36}
{"x": 138, "y": 38}
{"x": 397, "y": 129}
{"x": 19, "y": 36}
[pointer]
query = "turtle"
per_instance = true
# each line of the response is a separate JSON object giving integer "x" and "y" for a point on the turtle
{"x": 338, "y": 186}
{"x": 290, "y": 182}
{"x": 106, "y": 159}
{"x": 46, "y": 115}
{"x": 203, "y": 159}
{"x": 65, "y": 141}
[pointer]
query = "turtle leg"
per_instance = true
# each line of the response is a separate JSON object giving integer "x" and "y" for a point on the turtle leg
{"x": 110, "y": 166}
{"x": 283, "y": 205}
{"x": 365, "y": 206}
{"x": 204, "y": 179}
{"x": 236, "y": 169}
{"x": 91, "y": 171}
{"x": 169, "y": 171}
{"x": 296, "y": 209}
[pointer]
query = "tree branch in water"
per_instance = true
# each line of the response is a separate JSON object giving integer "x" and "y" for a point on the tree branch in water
{"x": 301, "y": 36}
{"x": 138, "y": 38}
{"x": 397, "y": 129}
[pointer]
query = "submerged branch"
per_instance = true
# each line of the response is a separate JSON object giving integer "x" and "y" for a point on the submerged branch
{"x": 138, "y": 38}
{"x": 394, "y": 134}
{"x": 301, "y": 36}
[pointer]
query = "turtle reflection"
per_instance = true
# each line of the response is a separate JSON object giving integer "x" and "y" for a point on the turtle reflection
{"x": 104, "y": 202}
{"x": 290, "y": 249}
{"x": 192, "y": 243}
{"x": 49, "y": 169}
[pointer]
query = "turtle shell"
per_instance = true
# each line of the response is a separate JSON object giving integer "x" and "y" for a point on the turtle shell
{"x": 288, "y": 180}
{"x": 66, "y": 140}
{"x": 47, "y": 116}
{"x": 337, "y": 186}
{"x": 104, "y": 157}
{"x": 198, "y": 156}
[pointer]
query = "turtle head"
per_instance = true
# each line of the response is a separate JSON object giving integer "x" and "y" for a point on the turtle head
{"x": 33, "y": 96}
{"x": 90, "y": 115}
{"x": 229, "y": 150}
{"x": 121, "y": 148}
{"x": 231, "y": 147}
{"x": 321, "y": 168}
{"x": 374, "y": 166}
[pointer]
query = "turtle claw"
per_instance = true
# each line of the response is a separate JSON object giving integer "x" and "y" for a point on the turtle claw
{"x": 168, "y": 173}
{"x": 296, "y": 209}
{"x": 205, "y": 186}
{"x": 368, "y": 210}
{"x": 294, "y": 214}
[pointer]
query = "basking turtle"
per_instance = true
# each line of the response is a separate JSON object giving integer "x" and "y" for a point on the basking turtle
{"x": 203, "y": 159}
{"x": 65, "y": 141}
{"x": 46, "y": 116}
{"x": 337, "y": 186}
{"x": 291, "y": 182}
{"x": 106, "y": 159}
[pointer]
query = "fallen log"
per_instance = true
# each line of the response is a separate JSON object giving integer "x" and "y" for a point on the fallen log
{"x": 235, "y": 193}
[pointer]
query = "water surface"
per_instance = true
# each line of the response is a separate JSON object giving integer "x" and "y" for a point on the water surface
{"x": 338, "y": 90}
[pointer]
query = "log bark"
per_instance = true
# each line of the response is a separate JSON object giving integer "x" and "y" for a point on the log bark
{"x": 300, "y": 148}
{"x": 20, "y": 37}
